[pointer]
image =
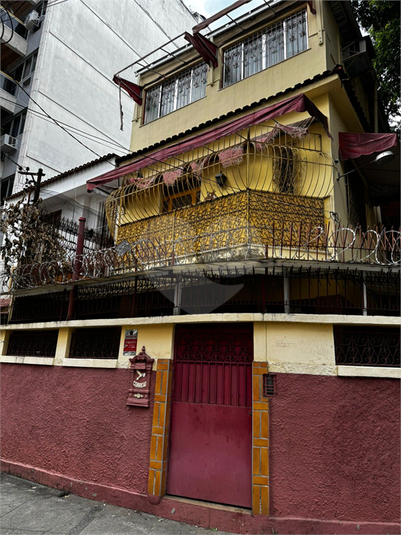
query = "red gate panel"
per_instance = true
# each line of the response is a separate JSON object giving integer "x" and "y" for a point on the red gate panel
{"x": 211, "y": 425}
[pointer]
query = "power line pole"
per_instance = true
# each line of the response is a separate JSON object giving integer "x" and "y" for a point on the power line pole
{"x": 36, "y": 183}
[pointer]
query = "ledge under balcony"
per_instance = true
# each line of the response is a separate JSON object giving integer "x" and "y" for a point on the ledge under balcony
{"x": 13, "y": 39}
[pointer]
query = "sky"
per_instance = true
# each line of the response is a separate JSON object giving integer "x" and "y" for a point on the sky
{"x": 210, "y": 7}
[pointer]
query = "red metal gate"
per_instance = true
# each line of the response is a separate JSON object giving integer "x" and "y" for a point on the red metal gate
{"x": 211, "y": 421}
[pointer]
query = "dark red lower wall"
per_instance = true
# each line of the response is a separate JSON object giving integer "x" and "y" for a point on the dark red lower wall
{"x": 334, "y": 442}
{"x": 335, "y": 448}
{"x": 75, "y": 422}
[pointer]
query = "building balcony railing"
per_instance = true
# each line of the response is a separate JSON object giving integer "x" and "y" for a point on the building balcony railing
{"x": 263, "y": 229}
{"x": 283, "y": 160}
{"x": 13, "y": 23}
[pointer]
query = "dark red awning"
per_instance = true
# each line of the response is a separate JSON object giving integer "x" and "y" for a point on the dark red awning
{"x": 204, "y": 47}
{"x": 134, "y": 90}
{"x": 299, "y": 103}
{"x": 353, "y": 145}
{"x": 312, "y": 8}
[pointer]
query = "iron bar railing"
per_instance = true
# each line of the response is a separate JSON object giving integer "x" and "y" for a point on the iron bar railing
{"x": 95, "y": 343}
{"x": 320, "y": 291}
{"x": 33, "y": 343}
{"x": 235, "y": 243}
{"x": 358, "y": 346}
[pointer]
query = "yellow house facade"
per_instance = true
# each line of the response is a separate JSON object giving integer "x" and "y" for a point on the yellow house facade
{"x": 252, "y": 263}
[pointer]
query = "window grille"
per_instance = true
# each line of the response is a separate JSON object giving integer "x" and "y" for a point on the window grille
{"x": 358, "y": 346}
{"x": 95, "y": 343}
{"x": 269, "y": 385}
{"x": 176, "y": 92}
{"x": 265, "y": 49}
{"x": 33, "y": 343}
{"x": 285, "y": 169}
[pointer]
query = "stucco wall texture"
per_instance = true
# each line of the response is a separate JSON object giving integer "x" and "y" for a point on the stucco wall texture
{"x": 334, "y": 442}
{"x": 75, "y": 422}
{"x": 335, "y": 448}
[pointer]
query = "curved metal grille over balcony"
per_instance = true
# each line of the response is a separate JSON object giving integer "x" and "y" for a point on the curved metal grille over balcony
{"x": 286, "y": 160}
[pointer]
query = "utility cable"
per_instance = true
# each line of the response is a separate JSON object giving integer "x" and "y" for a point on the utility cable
{"x": 3, "y": 26}
{"x": 59, "y": 125}
{"x": 112, "y": 143}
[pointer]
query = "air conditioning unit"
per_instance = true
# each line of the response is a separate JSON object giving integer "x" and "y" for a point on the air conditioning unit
{"x": 32, "y": 20}
{"x": 8, "y": 143}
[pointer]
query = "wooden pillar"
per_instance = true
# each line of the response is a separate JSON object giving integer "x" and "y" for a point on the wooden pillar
{"x": 160, "y": 431}
{"x": 260, "y": 442}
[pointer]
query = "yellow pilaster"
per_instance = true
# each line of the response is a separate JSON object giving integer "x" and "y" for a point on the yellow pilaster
{"x": 4, "y": 338}
{"x": 63, "y": 345}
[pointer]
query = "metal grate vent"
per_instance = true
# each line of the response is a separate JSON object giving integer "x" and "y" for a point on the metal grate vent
{"x": 269, "y": 385}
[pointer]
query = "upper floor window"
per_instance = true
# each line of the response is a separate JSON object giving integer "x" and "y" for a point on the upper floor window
{"x": 176, "y": 92}
{"x": 24, "y": 71}
{"x": 266, "y": 48}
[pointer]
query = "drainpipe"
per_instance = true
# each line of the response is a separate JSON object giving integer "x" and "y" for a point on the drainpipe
{"x": 77, "y": 266}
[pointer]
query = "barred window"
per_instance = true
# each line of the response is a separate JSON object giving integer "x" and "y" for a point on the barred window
{"x": 176, "y": 92}
{"x": 266, "y": 48}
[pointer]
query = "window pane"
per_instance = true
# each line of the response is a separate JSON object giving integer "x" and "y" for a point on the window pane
{"x": 168, "y": 95}
{"x": 274, "y": 45}
{"x": 253, "y": 55}
{"x": 152, "y": 104}
{"x": 232, "y": 64}
{"x": 184, "y": 89}
{"x": 296, "y": 34}
{"x": 199, "y": 76}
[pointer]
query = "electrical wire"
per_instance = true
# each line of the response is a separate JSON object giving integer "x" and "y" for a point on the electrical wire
{"x": 3, "y": 26}
{"x": 55, "y": 3}
{"x": 114, "y": 145}
{"x": 59, "y": 125}
{"x": 20, "y": 167}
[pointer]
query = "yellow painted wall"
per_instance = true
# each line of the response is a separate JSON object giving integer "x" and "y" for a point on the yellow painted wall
{"x": 157, "y": 339}
{"x": 295, "y": 347}
{"x": 219, "y": 101}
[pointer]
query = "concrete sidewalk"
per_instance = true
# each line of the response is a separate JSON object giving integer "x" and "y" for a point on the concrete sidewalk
{"x": 27, "y": 508}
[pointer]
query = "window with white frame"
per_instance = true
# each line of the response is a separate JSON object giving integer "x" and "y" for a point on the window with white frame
{"x": 176, "y": 92}
{"x": 265, "y": 48}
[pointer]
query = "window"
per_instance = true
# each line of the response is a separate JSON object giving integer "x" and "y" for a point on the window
{"x": 176, "y": 92}
{"x": 15, "y": 127}
{"x": 184, "y": 192}
{"x": 266, "y": 48}
{"x": 285, "y": 169}
{"x": 23, "y": 72}
{"x": 6, "y": 188}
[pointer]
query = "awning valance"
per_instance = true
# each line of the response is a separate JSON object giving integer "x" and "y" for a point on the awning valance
{"x": 134, "y": 90}
{"x": 205, "y": 48}
{"x": 299, "y": 103}
{"x": 353, "y": 145}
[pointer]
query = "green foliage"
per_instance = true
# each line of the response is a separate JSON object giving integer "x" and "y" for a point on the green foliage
{"x": 381, "y": 19}
{"x": 28, "y": 236}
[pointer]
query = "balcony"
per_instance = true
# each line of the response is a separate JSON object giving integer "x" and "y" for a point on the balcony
{"x": 14, "y": 43}
{"x": 257, "y": 198}
{"x": 8, "y": 89}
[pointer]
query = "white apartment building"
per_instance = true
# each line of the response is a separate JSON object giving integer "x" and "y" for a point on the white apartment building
{"x": 65, "y": 109}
